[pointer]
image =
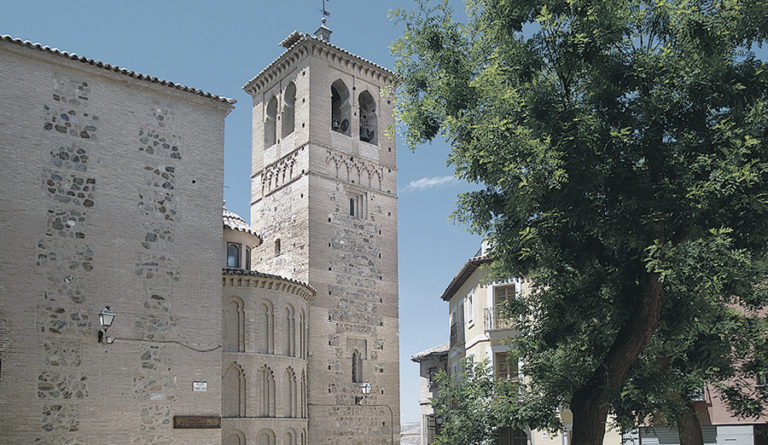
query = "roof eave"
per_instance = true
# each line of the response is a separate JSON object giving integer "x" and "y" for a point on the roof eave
{"x": 466, "y": 271}
{"x": 306, "y": 40}
{"x": 114, "y": 68}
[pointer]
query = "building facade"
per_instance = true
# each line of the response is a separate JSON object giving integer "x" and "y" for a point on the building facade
{"x": 111, "y": 193}
{"x": 265, "y": 322}
{"x": 477, "y": 331}
{"x": 282, "y": 332}
{"x": 324, "y": 199}
{"x": 431, "y": 362}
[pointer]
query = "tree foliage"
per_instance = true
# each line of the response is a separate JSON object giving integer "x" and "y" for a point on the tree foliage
{"x": 622, "y": 150}
{"x": 472, "y": 405}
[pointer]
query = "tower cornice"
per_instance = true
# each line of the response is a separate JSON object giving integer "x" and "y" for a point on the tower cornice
{"x": 304, "y": 45}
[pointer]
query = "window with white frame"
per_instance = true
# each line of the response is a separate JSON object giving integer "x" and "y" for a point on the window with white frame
{"x": 504, "y": 367}
{"x": 233, "y": 255}
{"x": 470, "y": 305}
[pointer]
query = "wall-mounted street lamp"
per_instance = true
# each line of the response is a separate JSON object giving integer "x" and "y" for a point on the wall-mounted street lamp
{"x": 106, "y": 317}
{"x": 365, "y": 388}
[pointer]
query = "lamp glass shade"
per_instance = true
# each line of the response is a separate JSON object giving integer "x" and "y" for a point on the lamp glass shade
{"x": 106, "y": 317}
{"x": 366, "y": 387}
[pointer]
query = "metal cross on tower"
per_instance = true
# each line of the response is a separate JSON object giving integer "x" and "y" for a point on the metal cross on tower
{"x": 325, "y": 12}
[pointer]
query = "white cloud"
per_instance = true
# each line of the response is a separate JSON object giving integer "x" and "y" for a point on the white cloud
{"x": 422, "y": 184}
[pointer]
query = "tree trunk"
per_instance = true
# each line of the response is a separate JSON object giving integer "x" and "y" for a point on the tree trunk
{"x": 590, "y": 403}
{"x": 589, "y": 415}
{"x": 689, "y": 427}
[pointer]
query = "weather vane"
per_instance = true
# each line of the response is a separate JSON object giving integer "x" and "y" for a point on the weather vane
{"x": 325, "y": 12}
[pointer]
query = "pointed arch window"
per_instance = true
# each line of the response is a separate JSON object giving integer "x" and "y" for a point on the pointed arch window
{"x": 340, "y": 108}
{"x": 303, "y": 395}
{"x": 290, "y": 330}
{"x": 270, "y": 123}
{"x": 289, "y": 109}
{"x": 266, "y": 392}
{"x": 291, "y": 396}
{"x": 266, "y": 328}
{"x": 233, "y": 392}
{"x": 369, "y": 124}
{"x": 234, "y": 326}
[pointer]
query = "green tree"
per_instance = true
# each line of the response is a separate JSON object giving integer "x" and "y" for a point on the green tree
{"x": 716, "y": 355}
{"x": 618, "y": 144}
{"x": 473, "y": 405}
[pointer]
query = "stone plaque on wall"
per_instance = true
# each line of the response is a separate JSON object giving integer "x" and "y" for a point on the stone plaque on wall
{"x": 196, "y": 422}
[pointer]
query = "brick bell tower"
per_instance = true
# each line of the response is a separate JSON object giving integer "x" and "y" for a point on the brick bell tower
{"x": 324, "y": 200}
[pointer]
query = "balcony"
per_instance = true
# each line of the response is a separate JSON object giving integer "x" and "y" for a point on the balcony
{"x": 494, "y": 321}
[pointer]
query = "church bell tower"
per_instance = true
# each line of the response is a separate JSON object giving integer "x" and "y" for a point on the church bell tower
{"x": 323, "y": 198}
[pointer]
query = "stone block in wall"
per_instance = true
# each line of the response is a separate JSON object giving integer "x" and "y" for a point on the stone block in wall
{"x": 68, "y": 154}
{"x": 59, "y": 320}
{"x": 74, "y": 257}
{"x": 152, "y": 439}
{"x": 61, "y": 439}
{"x": 154, "y": 388}
{"x": 158, "y": 143}
{"x": 62, "y": 285}
{"x": 158, "y": 237}
{"x": 155, "y": 417}
{"x": 69, "y": 188}
{"x": 159, "y": 204}
{"x": 67, "y": 120}
{"x": 66, "y": 223}
{"x": 158, "y": 267}
{"x": 61, "y": 353}
{"x": 60, "y": 417}
{"x": 155, "y": 356}
{"x": 62, "y": 385}
{"x": 154, "y": 327}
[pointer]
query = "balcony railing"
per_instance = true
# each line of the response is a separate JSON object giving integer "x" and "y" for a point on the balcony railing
{"x": 494, "y": 320}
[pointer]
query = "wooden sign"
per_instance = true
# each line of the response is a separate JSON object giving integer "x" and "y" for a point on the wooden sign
{"x": 196, "y": 422}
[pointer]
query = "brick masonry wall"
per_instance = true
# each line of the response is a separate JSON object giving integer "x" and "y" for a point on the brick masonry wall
{"x": 111, "y": 195}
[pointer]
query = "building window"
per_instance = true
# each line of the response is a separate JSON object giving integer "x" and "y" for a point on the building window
{"x": 368, "y": 119}
{"x": 340, "y": 107}
{"x": 248, "y": 258}
{"x": 233, "y": 392}
{"x": 454, "y": 331}
{"x": 357, "y": 206}
{"x": 357, "y": 367}
{"x": 503, "y": 368}
{"x": 277, "y": 247}
{"x": 470, "y": 305}
{"x": 502, "y": 294}
{"x": 289, "y": 107}
{"x": 270, "y": 123}
{"x": 511, "y": 436}
{"x": 233, "y": 255}
{"x": 432, "y": 372}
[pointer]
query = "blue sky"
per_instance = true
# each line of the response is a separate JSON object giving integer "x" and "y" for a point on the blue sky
{"x": 217, "y": 47}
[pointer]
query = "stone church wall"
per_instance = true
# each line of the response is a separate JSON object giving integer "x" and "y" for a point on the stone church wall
{"x": 111, "y": 196}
